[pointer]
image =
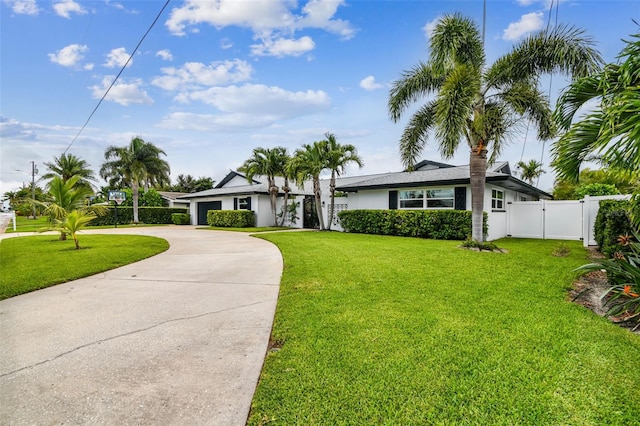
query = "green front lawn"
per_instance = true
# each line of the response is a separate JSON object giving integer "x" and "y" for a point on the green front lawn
{"x": 31, "y": 263}
{"x": 400, "y": 331}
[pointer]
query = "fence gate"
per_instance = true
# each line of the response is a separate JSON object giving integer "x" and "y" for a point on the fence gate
{"x": 545, "y": 219}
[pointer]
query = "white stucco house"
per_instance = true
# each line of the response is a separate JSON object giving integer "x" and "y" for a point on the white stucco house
{"x": 432, "y": 185}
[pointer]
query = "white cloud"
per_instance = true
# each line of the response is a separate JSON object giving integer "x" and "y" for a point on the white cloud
{"x": 123, "y": 93}
{"x": 283, "y": 47}
{"x": 526, "y": 2}
{"x": 225, "y": 44}
{"x": 23, "y": 7}
{"x": 69, "y": 56}
{"x": 165, "y": 54}
{"x": 527, "y": 24}
{"x": 431, "y": 26}
{"x": 65, "y": 7}
{"x": 369, "y": 83}
{"x": 194, "y": 75}
{"x": 117, "y": 58}
{"x": 214, "y": 122}
{"x": 260, "y": 100}
{"x": 272, "y": 21}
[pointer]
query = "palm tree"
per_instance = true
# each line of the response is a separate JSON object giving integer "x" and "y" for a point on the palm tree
{"x": 71, "y": 224}
{"x": 268, "y": 162}
{"x": 611, "y": 131}
{"x": 66, "y": 197}
{"x": 68, "y": 165}
{"x": 307, "y": 163}
{"x": 478, "y": 104}
{"x": 530, "y": 171}
{"x": 137, "y": 163}
{"x": 338, "y": 157}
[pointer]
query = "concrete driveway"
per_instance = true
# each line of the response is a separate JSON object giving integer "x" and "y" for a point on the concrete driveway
{"x": 177, "y": 339}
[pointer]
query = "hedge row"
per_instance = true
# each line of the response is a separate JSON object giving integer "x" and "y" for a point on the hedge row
{"x": 435, "y": 224}
{"x": 611, "y": 222}
{"x": 181, "y": 218}
{"x": 149, "y": 215}
{"x": 231, "y": 218}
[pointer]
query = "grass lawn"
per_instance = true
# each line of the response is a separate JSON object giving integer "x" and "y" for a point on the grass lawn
{"x": 31, "y": 263}
{"x": 27, "y": 224}
{"x": 253, "y": 229}
{"x": 401, "y": 331}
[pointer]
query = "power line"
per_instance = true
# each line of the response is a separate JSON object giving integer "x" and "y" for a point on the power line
{"x": 118, "y": 76}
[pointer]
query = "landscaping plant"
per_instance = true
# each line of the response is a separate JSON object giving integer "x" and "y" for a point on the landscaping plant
{"x": 623, "y": 274}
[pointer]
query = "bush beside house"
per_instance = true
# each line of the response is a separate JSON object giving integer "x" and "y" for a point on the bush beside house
{"x": 148, "y": 215}
{"x": 434, "y": 224}
{"x": 231, "y": 218}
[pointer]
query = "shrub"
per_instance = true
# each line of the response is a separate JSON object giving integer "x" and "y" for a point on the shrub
{"x": 149, "y": 215}
{"x": 231, "y": 218}
{"x": 181, "y": 218}
{"x": 611, "y": 222}
{"x": 623, "y": 276}
{"x": 435, "y": 224}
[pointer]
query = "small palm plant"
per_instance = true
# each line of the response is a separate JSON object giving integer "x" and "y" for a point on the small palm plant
{"x": 623, "y": 275}
{"x": 72, "y": 223}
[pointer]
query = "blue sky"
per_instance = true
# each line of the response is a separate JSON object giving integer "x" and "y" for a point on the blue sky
{"x": 215, "y": 79}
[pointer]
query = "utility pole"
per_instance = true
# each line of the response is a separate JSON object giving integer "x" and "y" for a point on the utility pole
{"x": 34, "y": 172}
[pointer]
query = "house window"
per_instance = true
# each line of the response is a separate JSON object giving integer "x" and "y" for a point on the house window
{"x": 244, "y": 203}
{"x": 497, "y": 199}
{"x": 426, "y": 199}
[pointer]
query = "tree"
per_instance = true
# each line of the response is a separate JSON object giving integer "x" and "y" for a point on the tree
{"x": 66, "y": 197}
{"x": 71, "y": 224}
{"x": 68, "y": 165}
{"x": 138, "y": 163}
{"x": 564, "y": 189}
{"x": 611, "y": 131}
{"x": 307, "y": 163}
{"x": 268, "y": 162}
{"x": 189, "y": 184}
{"x": 530, "y": 171}
{"x": 478, "y": 104}
{"x": 338, "y": 157}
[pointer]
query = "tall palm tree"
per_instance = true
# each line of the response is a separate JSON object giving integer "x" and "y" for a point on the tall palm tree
{"x": 268, "y": 162}
{"x": 468, "y": 100}
{"x": 138, "y": 163}
{"x": 612, "y": 130}
{"x": 530, "y": 170}
{"x": 68, "y": 165}
{"x": 307, "y": 163}
{"x": 338, "y": 157}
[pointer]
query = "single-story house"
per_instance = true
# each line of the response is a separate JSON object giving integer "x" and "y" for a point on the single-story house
{"x": 432, "y": 185}
{"x": 234, "y": 192}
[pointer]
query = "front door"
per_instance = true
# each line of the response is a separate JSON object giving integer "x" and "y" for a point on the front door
{"x": 204, "y": 207}
{"x": 309, "y": 214}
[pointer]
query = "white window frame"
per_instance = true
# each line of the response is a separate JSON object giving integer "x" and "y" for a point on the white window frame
{"x": 497, "y": 202}
{"x": 424, "y": 198}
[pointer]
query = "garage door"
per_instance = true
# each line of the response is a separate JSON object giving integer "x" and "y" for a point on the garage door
{"x": 204, "y": 207}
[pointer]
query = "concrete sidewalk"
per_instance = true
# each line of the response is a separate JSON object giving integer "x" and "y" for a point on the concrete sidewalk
{"x": 176, "y": 339}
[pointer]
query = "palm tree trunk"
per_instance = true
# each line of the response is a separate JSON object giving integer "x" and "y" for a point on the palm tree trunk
{"x": 317, "y": 194}
{"x": 273, "y": 198}
{"x": 332, "y": 190}
{"x": 478, "y": 173}
{"x": 134, "y": 190}
{"x": 285, "y": 209}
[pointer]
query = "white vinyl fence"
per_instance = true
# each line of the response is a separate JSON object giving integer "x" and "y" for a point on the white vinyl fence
{"x": 557, "y": 220}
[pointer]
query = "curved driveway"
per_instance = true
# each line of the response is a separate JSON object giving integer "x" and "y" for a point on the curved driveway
{"x": 178, "y": 338}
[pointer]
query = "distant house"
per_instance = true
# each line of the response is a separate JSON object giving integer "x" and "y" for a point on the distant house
{"x": 432, "y": 185}
{"x": 171, "y": 199}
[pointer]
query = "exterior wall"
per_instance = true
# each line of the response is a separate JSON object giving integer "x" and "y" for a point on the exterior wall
{"x": 262, "y": 207}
